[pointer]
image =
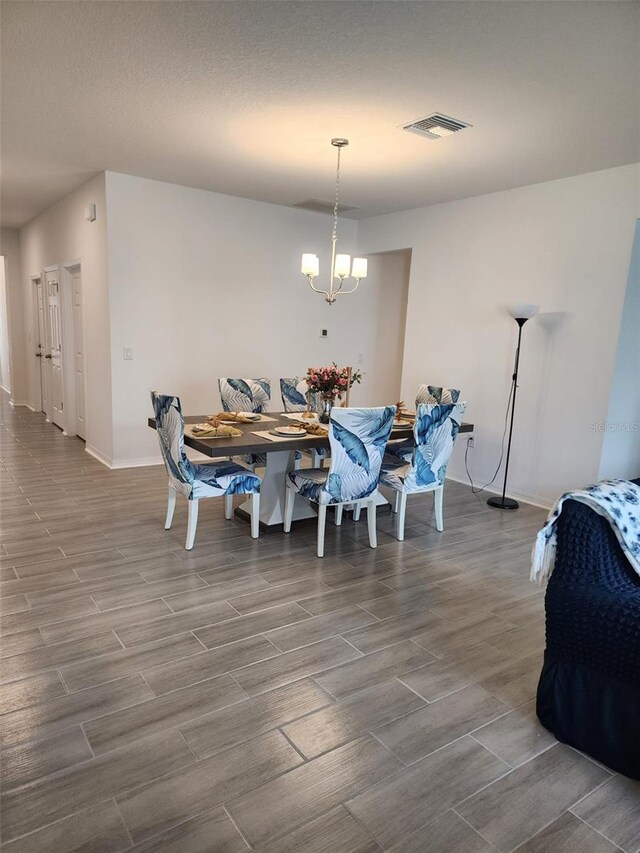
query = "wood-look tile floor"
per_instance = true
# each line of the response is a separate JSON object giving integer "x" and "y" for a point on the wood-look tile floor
{"x": 248, "y": 696}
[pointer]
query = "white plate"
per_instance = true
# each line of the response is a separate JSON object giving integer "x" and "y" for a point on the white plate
{"x": 289, "y": 432}
{"x": 253, "y": 416}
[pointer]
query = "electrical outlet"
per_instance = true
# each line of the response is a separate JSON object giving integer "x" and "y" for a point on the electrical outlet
{"x": 324, "y": 333}
{"x": 471, "y": 442}
{"x": 127, "y": 353}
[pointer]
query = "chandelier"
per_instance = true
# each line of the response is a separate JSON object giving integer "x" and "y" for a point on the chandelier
{"x": 340, "y": 264}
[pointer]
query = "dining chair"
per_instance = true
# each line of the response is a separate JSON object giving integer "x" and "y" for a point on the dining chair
{"x": 194, "y": 482}
{"x": 403, "y": 447}
{"x": 435, "y": 431}
{"x": 246, "y": 395}
{"x": 435, "y": 394}
{"x": 296, "y": 398}
{"x": 357, "y": 438}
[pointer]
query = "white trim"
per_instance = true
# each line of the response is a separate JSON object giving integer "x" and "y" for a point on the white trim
{"x": 114, "y": 465}
{"x": 15, "y": 403}
{"x": 92, "y": 451}
{"x": 534, "y": 500}
{"x": 69, "y": 373}
{"x": 4, "y": 388}
{"x": 143, "y": 462}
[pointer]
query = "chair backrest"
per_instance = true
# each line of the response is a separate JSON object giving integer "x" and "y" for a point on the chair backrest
{"x": 296, "y": 396}
{"x": 170, "y": 429}
{"x": 435, "y": 432}
{"x": 358, "y": 438}
{"x": 435, "y": 394}
{"x": 244, "y": 395}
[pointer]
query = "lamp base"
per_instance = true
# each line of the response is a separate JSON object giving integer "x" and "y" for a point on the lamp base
{"x": 503, "y": 503}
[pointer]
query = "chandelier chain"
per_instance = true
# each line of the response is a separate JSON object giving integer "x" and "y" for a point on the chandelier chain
{"x": 335, "y": 206}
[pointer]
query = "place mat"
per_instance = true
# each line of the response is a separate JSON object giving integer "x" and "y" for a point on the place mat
{"x": 297, "y": 416}
{"x": 264, "y": 433}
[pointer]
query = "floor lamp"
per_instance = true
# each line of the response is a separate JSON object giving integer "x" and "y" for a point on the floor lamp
{"x": 520, "y": 313}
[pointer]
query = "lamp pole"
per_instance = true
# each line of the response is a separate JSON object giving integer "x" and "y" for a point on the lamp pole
{"x": 520, "y": 313}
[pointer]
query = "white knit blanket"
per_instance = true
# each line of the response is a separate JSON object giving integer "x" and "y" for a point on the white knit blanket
{"x": 616, "y": 500}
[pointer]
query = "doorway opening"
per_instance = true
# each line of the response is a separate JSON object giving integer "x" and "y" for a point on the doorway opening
{"x": 59, "y": 351}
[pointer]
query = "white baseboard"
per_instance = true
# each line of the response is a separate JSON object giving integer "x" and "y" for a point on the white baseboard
{"x": 136, "y": 463}
{"x": 16, "y": 403}
{"x": 117, "y": 464}
{"x": 534, "y": 500}
{"x": 92, "y": 451}
{"x": 5, "y": 389}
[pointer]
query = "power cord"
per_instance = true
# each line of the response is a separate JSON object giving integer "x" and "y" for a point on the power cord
{"x": 475, "y": 490}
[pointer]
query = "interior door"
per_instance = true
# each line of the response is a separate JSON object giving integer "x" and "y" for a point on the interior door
{"x": 78, "y": 354}
{"x": 54, "y": 355}
{"x": 41, "y": 348}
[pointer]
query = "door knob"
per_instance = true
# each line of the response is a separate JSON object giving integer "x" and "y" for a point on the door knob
{"x": 48, "y": 355}
{"x": 38, "y": 355}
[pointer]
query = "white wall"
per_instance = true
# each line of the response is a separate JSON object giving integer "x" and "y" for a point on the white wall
{"x": 205, "y": 285}
{"x": 621, "y": 442}
{"x": 10, "y": 248}
{"x": 61, "y": 235}
{"x": 564, "y": 245}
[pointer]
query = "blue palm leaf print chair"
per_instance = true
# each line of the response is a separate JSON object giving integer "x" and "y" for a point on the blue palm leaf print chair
{"x": 246, "y": 395}
{"x": 296, "y": 398}
{"x": 435, "y": 431}
{"x": 435, "y": 394}
{"x": 426, "y": 394}
{"x": 198, "y": 481}
{"x": 358, "y": 438}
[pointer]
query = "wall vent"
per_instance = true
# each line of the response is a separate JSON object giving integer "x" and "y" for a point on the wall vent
{"x": 435, "y": 126}
{"x": 319, "y": 205}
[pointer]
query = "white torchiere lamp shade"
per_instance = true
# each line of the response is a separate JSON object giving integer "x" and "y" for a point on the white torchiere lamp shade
{"x": 523, "y": 311}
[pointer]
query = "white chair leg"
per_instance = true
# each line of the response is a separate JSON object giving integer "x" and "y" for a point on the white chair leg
{"x": 339, "y": 508}
{"x": 356, "y": 511}
{"x": 402, "y": 508}
{"x": 396, "y": 501}
{"x": 297, "y": 463}
{"x": 438, "y": 495}
{"x": 192, "y": 523}
{"x": 289, "y": 500}
{"x": 255, "y": 515}
{"x": 171, "y": 505}
{"x": 322, "y": 519}
{"x": 228, "y": 506}
{"x": 371, "y": 524}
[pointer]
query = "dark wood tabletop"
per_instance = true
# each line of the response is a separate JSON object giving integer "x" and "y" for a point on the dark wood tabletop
{"x": 250, "y": 443}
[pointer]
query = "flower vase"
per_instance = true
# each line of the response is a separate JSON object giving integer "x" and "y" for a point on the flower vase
{"x": 325, "y": 409}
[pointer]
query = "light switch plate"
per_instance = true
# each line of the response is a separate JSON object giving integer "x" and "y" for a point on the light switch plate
{"x": 127, "y": 353}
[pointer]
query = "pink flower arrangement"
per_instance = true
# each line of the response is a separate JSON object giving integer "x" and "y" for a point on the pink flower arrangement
{"x": 331, "y": 381}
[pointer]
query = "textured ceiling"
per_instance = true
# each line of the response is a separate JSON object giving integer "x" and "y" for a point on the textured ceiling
{"x": 243, "y": 97}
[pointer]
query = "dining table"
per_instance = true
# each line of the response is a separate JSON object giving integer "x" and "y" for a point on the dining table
{"x": 279, "y": 451}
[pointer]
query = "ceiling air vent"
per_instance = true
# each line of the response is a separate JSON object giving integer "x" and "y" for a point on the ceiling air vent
{"x": 435, "y": 126}
{"x": 319, "y": 205}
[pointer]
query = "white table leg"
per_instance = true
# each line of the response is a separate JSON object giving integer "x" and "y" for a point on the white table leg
{"x": 272, "y": 491}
